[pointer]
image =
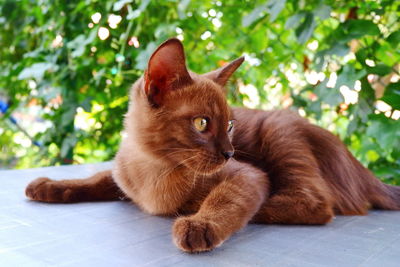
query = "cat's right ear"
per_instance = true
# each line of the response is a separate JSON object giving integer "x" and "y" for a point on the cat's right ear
{"x": 166, "y": 71}
{"x": 222, "y": 75}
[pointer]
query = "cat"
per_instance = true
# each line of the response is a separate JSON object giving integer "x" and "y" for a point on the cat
{"x": 188, "y": 153}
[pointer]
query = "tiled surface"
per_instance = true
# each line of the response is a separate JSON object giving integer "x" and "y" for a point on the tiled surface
{"x": 118, "y": 234}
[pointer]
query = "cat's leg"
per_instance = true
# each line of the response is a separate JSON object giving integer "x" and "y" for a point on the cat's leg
{"x": 295, "y": 208}
{"x": 99, "y": 187}
{"x": 299, "y": 194}
{"x": 227, "y": 208}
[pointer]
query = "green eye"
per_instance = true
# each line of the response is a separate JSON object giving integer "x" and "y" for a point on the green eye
{"x": 200, "y": 124}
{"x": 230, "y": 126}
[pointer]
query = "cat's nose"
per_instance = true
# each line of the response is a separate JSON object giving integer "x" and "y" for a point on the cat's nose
{"x": 227, "y": 154}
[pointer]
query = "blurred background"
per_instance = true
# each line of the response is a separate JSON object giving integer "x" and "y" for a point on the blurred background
{"x": 66, "y": 68}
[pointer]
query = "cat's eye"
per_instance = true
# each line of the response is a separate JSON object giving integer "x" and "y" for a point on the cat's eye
{"x": 230, "y": 126}
{"x": 200, "y": 124}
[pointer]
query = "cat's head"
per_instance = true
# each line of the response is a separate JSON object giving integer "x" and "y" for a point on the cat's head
{"x": 181, "y": 117}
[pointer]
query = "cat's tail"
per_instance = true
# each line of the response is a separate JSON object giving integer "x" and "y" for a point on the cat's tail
{"x": 354, "y": 187}
{"x": 384, "y": 196}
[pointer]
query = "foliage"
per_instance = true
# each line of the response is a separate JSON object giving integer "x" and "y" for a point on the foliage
{"x": 306, "y": 55}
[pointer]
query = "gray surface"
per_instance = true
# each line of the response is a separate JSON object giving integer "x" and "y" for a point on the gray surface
{"x": 118, "y": 234}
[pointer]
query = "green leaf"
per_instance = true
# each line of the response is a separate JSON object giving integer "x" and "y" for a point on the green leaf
{"x": 275, "y": 7}
{"x": 79, "y": 44}
{"x": 35, "y": 53}
{"x": 143, "y": 5}
{"x": 133, "y": 14}
{"x": 360, "y": 27}
{"x": 349, "y": 76}
{"x": 362, "y": 55}
{"x": 363, "y": 110}
{"x": 182, "y": 6}
{"x": 68, "y": 116}
{"x": 353, "y": 126}
{"x": 315, "y": 107}
{"x": 86, "y": 104}
{"x": 331, "y": 96}
{"x": 338, "y": 49}
{"x": 67, "y": 144}
{"x": 305, "y": 30}
{"x": 144, "y": 56}
{"x": 254, "y": 15}
{"x": 294, "y": 20}
{"x": 386, "y": 172}
{"x": 386, "y": 131}
{"x": 392, "y": 95}
{"x": 367, "y": 93}
{"x": 372, "y": 155}
{"x": 323, "y": 11}
{"x": 394, "y": 39}
{"x": 37, "y": 70}
{"x": 163, "y": 31}
{"x": 387, "y": 54}
{"x": 259, "y": 40}
{"x": 380, "y": 69}
{"x": 120, "y": 4}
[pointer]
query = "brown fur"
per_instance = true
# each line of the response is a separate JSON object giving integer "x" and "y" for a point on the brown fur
{"x": 285, "y": 170}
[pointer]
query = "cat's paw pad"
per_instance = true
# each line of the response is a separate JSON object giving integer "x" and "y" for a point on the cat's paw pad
{"x": 45, "y": 190}
{"x": 192, "y": 235}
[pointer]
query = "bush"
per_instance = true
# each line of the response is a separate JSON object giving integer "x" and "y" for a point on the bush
{"x": 67, "y": 66}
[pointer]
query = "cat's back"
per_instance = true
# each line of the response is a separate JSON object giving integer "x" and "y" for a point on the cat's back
{"x": 256, "y": 117}
{"x": 251, "y": 124}
{"x": 258, "y": 134}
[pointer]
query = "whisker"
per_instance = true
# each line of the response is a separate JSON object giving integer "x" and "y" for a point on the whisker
{"x": 181, "y": 163}
{"x": 245, "y": 153}
{"x": 170, "y": 170}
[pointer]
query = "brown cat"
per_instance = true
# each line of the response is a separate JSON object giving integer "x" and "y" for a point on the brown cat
{"x": 177, "y": 159}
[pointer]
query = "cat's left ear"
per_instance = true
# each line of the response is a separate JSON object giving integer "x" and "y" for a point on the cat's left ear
{"x": 166, "y": 71}
{"x": 222, "y": 75}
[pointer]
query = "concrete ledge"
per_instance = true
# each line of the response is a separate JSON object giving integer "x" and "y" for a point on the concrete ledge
{"x": 119, "y": 234}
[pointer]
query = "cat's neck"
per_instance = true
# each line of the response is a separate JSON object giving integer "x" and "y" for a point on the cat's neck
{"x": 157, "y": 186}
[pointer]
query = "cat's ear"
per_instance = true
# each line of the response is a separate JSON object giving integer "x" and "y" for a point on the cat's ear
{"x": 222, "y": 75}
{"x": 166, "y": 71}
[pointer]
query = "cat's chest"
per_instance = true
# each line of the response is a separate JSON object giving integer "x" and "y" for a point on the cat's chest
{"x": 156, "y": 191}
{"x": 163, "y": 194}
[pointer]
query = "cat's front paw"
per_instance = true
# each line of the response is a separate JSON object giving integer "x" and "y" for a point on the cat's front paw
{"x": 193, "y": 235}
{"x": 46, "y": 190}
